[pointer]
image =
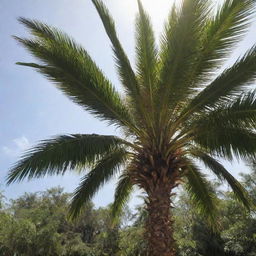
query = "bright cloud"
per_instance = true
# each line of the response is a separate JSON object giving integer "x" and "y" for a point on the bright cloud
{"x": 20, "y": 144}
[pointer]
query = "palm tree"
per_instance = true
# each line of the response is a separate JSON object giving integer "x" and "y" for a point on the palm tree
{"x": 177, "y": 109}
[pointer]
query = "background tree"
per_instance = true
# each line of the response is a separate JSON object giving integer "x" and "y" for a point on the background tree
{"x": 36, "y": 224}
{"x": 177, "y": 108}
{"x": 236, "y": 227}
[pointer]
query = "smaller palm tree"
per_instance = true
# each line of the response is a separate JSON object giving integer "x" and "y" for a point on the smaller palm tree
{"x": 175, "y": 110}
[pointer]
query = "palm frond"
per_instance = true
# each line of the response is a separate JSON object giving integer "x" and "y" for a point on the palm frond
{"x": 221, "y": 32}
{"x": 231, "y": 83}
{"x": 219, "y": 170}
{"x": 238, "y": 113}
{"x": 69, "y": 66}
{"x": 168, "y": 112}
{"x": 57, "y": 155}
{"x": 146, "y": 54}
{"x": 180, "y": 43}
{"x": 125, "y": 70}
{"x": 104, "y": 170}
{"x": 201, "y": 193}
{"x": 225, "y": 140}
{"x": 122, "y": 194}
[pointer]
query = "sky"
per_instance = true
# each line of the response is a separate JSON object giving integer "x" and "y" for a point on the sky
{"x": 32, "y": 109}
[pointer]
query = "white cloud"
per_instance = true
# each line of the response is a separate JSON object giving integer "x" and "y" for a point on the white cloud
{"x": 20, "y": 145}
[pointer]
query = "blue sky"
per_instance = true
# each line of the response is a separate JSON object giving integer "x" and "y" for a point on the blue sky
{"x": 32, "y": 109}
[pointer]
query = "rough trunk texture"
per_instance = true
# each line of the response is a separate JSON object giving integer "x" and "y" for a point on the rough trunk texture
{"x": 158, "y": 176}
{"x": 159, "y": 224}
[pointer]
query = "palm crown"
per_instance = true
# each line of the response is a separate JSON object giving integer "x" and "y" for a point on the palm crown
{"x": 177, "y": 107}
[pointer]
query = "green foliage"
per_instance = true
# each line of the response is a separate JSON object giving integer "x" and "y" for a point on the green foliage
{"x": 69, "y": 66}
{"x": 219, "y": 170}
{"x": 104, "y": 169}
{"x": 146, "y": 55}
{"x": 132, "y": 242}
{"x": 57, "y": 155}
{"x": 122, "y": 194}
{"x": 37, "y": 225}
{"x": 174, "y": 102}
{"x": 236, "y": 228}
{"x": 126, "y": 74}
{"x": 227, "y": 85}
{"x": 201, "y": 193}
{"x": 180, "y": 42}
{"x": 240, "y": 113}
{"x": 220, "y": 34}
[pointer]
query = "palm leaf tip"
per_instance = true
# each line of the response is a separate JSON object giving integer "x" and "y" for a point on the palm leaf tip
{"x": 103, "y": 171}
{"x": 55, "y": 156}
{"x": 29, "y": 64}
{"x": 201, "y": 194}
{"x": 179, "y": 49}
{"x": 122, "y": 195}
{"x": 146, "y": 51}
{"x": 125, "y": 70}
{"x": 240, "y": 113}
{"x": 220, "y": 171}
{"x": 73, "y": 71}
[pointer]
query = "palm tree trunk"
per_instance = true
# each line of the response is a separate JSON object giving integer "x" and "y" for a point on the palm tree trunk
{"x": 159, "y": 230}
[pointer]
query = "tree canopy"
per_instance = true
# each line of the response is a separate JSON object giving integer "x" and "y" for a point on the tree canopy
{"x": 37, "y": 224}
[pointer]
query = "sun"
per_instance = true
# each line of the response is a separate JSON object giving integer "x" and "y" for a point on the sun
{"x": 157, "y": 10}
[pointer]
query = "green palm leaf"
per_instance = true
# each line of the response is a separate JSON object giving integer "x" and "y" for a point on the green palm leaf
{"x": 122, "y": 194}
{"x": 230, "y": 83}
{"x": 57, "y": 155}
{"x": 69, "y": 66}
{"x": 238, "y": 113}
{"x": 221, "y": 32}
{"x": 125, "y": 70}
{"x": 201, "y": 193}
{"x": 219, "y": 170}
{"x": 168, "y": 112}
{"x": 224, "y": 139}
{"x": 103, "y": 171}
{"x": 146, "y": 53}
{"x": 180, "y": 42}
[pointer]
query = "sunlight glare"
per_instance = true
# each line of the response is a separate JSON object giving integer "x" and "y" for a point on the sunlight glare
{"x": 157, "y": 10}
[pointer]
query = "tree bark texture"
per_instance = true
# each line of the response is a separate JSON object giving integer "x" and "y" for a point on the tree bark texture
{"x": 158, "y": 177}
{"x": 159, "y": 232}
